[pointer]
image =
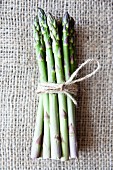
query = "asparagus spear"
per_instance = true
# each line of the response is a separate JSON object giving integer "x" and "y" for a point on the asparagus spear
{"x": 54, "y": 120}
{"x": 37, "y": 140}
{"x": 67, "y": 70}
{"x": 73, "y": 64}
{"x": 53, "y": 27}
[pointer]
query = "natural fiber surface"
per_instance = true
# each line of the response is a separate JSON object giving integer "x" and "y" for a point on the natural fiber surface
{"x": 19, "y": 81}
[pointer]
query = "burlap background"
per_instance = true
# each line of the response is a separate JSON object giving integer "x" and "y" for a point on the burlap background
{"x": 18, "y": 83}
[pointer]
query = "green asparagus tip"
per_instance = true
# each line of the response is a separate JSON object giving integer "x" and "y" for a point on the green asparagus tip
{"x": 65, "y": 18}
{"x": 41, "y": 10}
{"x": 41, "y": 13}
{"x": 51, "y": 19}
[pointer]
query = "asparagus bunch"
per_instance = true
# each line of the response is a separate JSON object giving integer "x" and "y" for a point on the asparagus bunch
{"x": 55, "y": 133}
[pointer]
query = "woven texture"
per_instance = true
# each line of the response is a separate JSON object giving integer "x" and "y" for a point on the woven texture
{"x": 19, "y": 81}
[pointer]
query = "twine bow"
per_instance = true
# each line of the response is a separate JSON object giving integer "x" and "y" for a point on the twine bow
{"x": 69, "y": 87}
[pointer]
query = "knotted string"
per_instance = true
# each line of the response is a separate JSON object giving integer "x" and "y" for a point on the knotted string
{"x": 69, "y": 87}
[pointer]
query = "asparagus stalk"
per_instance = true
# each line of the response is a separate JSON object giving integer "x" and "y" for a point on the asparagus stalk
{"x": 54, "y": 120}
{"x": 43, "y": 104}
{"x": 53, "y": 27}
{"x": 73, "y": 64}
{"x": 67, "y": 70}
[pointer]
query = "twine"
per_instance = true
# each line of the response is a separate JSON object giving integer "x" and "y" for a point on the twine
{"x": 69, "y": 87}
